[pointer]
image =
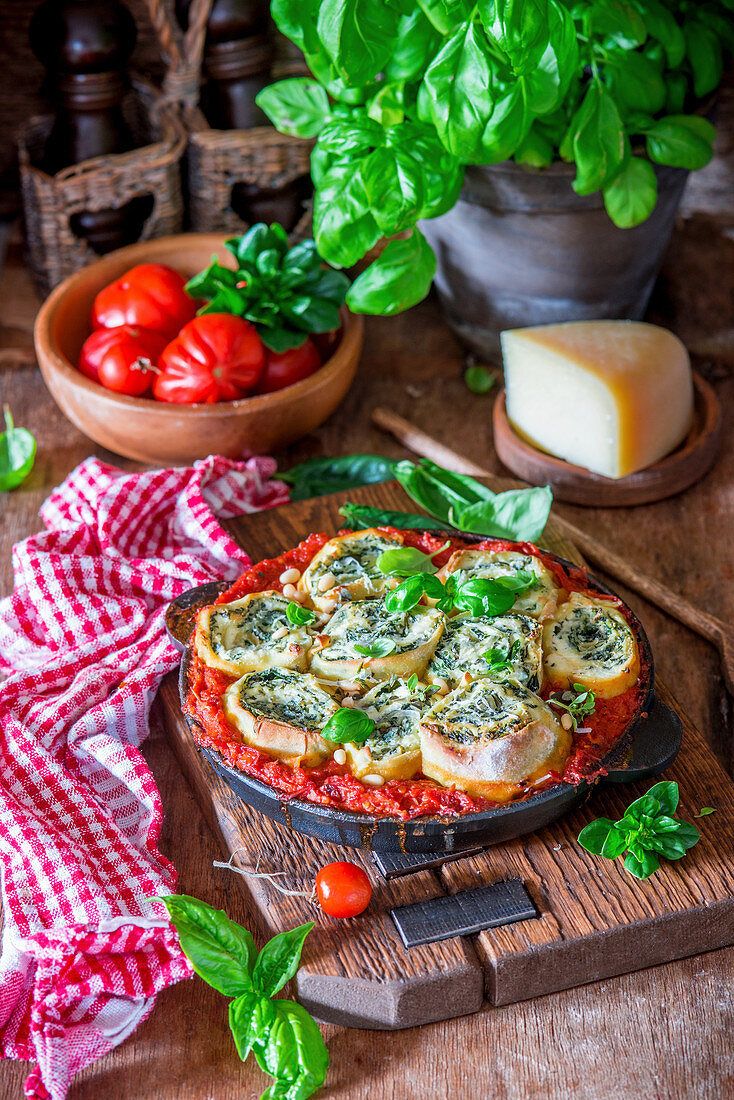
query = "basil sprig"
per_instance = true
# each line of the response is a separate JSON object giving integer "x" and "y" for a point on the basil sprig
{"x": 284, "y": 1038}
{"x": 416, "y": 92}
{"x": 578, "y": 702}
{"x": 361, "y": 516}
{"x": 477, "y": 595}
{"x": 500, "y": 660}
{"x": 383, "y": 647}
{"x": 647, "y": 831}
{"x": 348, "y": 725}
{"x": 298, "y": 615}
{"x": 17, "y": 453}
{"x": 408, "y": 560}
{"x": 285, "y": 292}
{"x": 455, "y": 500}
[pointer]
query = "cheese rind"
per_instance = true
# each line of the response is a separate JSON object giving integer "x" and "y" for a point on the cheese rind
{"x": 611, "y": 396}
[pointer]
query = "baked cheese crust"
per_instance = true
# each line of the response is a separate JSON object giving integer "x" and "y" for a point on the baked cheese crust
{"x": 460, "y": 652}
{"x": 589, "y": 642}
{"x": 239, "y": 637}
{"x": 540, "y": 601}
{"x": 394, "y": 749}
{"x": 282, "y": 713}
{"x": 414, "y": 635}
{"x": 491, "y": 739}
{"x": 345, "y": 568}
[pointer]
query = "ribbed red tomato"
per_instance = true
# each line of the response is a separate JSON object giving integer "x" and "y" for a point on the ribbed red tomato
{"x": 123, "y": 358}
{"x": 343, "y": 889}
{"x": 215, "y": 357}
{"x": 283, "y": 368}
{"x": 149, "y": 295}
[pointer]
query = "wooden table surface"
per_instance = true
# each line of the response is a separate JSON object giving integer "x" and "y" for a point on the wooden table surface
{"x": 663, "y": 1033}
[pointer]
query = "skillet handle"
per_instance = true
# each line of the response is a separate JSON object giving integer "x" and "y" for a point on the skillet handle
{"x": 655, "y": 746}
{"x": 181, "y": 612}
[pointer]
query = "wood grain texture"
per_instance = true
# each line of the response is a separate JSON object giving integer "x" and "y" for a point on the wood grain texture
{"x": 595, "y": 919}
{"x": 664, "y": 1032}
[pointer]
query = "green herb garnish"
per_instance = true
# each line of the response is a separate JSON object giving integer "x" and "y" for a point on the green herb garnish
{"x": 361, "y": 516}
{"x": 410, "y": 593}
{"x": 408, "y": 560}
{"x": 383, "y": 647}
{"x": 285, "y": 292}
{"x": 478, "y": 379}
{"x": 647, "y": 831}
{"x": 348, "y": 725}
{"x": 17, "y": 453}
{"x": 283, "y": 1036}
{"x": 412, "y": 682}
{"x": 298, "y": 615}
{"x": 499, "y": 660}
{"x": 705, "y": 811}
{"x": 317, "y": 476}
{"x": 578, "y": 703}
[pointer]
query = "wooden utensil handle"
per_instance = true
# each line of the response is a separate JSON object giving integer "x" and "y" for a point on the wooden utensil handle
{"x": 422, "y": 444}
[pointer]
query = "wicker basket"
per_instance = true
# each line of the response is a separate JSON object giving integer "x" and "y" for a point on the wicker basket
{"x": 50, "y": 202}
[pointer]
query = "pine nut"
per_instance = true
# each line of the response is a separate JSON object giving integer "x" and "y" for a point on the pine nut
{"x": 326, "y": 582}
{"x": 566, "y": 721}
{"x": 443, "y": 687}
{"x": 290, "y": 576}
{"x": 348, "y": 685}
{"x": 340, "y": 757}
{"x": 373, "y": 780}
{"x": 280, "y": 633}
{"x": 291, "y": 593}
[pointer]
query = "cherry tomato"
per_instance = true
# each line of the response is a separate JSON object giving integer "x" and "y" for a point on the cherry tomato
{"x": 283, "y": 368}
{"x": 343, "y": 889}
{"x": 122, "y": 359}
{"x": 215, "y": 357}
{"x": 149, "y": 295}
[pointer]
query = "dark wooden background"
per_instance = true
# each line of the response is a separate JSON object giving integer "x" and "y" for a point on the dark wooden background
{"x": 663, "y": 1033}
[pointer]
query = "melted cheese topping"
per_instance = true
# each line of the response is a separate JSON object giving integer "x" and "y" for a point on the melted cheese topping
{"x": 238, "y": 637}
{"x": 538, "y": 601}
{"x": 413, "y": 634}
{"x": 349, "y": 562}
{"x": 589, "y": 642}
{"x": 465, "y": 641}
{"x": 485, "y": 710}
{"x": 393, "y": 751}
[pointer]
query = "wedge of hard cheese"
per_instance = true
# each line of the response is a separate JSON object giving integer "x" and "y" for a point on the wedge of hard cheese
{"x": 613, "y": 396}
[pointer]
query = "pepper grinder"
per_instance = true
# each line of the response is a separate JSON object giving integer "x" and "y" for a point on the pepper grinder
{"x": 85, "y": 46}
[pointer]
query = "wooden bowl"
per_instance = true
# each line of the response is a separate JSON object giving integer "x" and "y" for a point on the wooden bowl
{"x": 677, "y": 471}
{"x": 154, "y": 431}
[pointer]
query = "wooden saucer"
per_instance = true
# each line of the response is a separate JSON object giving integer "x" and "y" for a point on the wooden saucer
{"x": 674, "y": 473}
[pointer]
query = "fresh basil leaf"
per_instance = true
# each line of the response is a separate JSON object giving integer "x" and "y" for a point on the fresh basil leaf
{"x": 405, "y": 561}
{"x": 329, "y": 284}
{"x": 631, "y": 196}
{"x": 688, "y": 834}
{"x": 319, "y": 476}
{"x": 311, "y": 314}
{"x": 668, "y": 845}
{"x": 388, "y": 106}
{"x": 415, "y": 45}
{"x": 17, "y": 453}
{"x": 519, "y": 581}
{"x": 643, "y": 864}
{"x": 598, "y": 140}
{"x": 344, "y": 226}
{"x": 457, "y": 91}
{"x": 363, "y": 516}
{"x": 279, "y": 339}
{"x": 413, "y": 682}
{"x": 614, "y": 845}
{"x": 278, "y": 961}
{"x": 667, "y": 795}
{"x": 665, "y": 824}
{"x": 648, "y": 804}
{"x": 394, "y": 187}
{"x": 682, "y": 141}
{"x": 618, "y": 20}
{"x": 348, "y": 726}
{"x": 518, "y": 514}
{"x": 594, "y": 836}
{"x": 294, "y": 1053}
{"x": 478, "y": 379}
{"x": 635, "y": 82}
{"x": 506, "y": 127}
{"x": 519, "y": 27}
{"x": 220, "y": 951}
{"x": 383, "y": 647}
{"x": 706, "y": 810}
{"x": 250, "y": 1018}
{"x": 536, "y": 150}
{"x": 408, "y": 594}
{"x": 676, "y": 92}
{"x": 299, "y": 616}
{"x": 399, "y": 278}
{"x": 358, "y": 36}
{"x": 547, "y": 82}
{"x": 483, "y": 597}
{"x": 446, "y": 15}
{"x": 704, "y": 52}
{"x": 439, "y": 490}
{"x": 661, "y": 24}
{"x": 298, "y": 106}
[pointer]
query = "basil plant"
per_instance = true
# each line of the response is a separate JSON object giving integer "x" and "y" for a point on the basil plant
{"x": 406, "y": 93}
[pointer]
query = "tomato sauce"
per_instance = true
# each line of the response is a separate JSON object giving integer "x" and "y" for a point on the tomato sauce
{"x": 331, "y": 784}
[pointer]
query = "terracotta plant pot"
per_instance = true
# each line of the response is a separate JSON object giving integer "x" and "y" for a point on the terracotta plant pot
{"x": 156, "y": 432}
{"x": 522, "y": 248}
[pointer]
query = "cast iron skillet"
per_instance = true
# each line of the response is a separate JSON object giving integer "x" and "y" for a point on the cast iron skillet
{"x": 648, "y": 746}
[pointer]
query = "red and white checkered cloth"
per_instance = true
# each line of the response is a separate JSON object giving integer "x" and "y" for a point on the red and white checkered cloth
{"x": 83, "y": 644}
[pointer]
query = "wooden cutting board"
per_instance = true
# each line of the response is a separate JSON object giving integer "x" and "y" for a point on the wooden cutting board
{"x": 588, "y": 918}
